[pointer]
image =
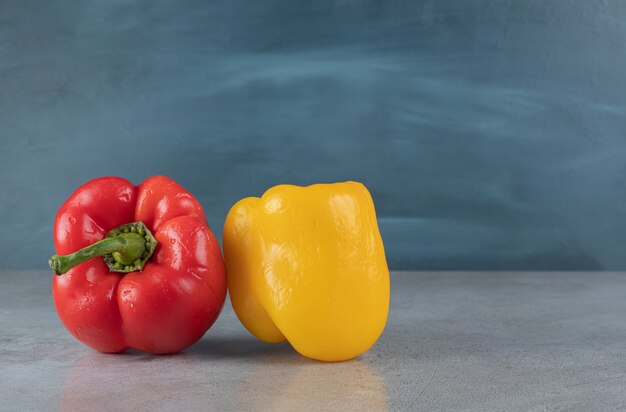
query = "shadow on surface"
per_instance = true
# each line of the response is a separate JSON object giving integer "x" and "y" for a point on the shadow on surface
{"x": 243, "y": 348}
{"x": 228, "y": 373}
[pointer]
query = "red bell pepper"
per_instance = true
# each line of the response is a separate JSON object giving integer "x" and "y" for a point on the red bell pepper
{"x": 161, "y": 282}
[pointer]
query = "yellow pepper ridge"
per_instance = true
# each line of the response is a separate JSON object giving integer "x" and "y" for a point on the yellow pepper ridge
{"x": 307, "y": 265}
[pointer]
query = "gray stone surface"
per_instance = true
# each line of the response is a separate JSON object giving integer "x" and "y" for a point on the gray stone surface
{"x": 454, "y": 341}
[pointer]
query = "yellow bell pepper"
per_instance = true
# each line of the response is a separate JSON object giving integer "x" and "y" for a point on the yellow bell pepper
{"x": 307, "y": 265}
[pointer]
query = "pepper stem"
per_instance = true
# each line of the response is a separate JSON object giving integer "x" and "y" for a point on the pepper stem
{"x": 125, "y": 249}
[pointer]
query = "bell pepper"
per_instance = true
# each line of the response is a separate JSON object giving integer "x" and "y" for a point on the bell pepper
{"x": 307, "y": 265}
{"x": 160, "y": 283}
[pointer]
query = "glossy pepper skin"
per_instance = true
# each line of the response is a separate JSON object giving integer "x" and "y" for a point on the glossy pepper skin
{"x": 307, "y": 265}
{"x": 161, "y": 309}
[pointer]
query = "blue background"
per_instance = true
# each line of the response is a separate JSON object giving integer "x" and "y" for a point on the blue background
{"x": 492, "y": 134}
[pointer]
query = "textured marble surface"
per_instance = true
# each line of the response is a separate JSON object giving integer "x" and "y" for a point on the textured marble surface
{"x": 454, "y": 341}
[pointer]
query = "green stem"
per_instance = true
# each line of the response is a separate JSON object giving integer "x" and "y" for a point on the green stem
{"x": 125, "y": 249}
